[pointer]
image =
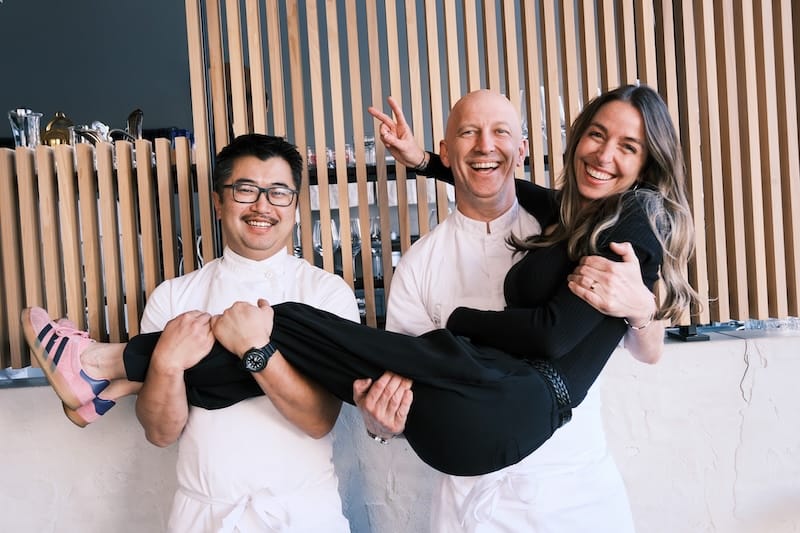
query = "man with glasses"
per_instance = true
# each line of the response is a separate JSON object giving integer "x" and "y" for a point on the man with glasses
{"x": 264, "y": 463}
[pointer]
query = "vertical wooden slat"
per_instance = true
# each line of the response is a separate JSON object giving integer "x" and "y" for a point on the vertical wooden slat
{"x": 109, "y": 241}
{"x": 551, "y": 88}
{"x": 569, "y": 64}
{"x": 437, "y": 97}
{"x": 241, "y": 124}
{"x": 90, "y": 238}
{"x": 183, "y": 168}
{"x": 530, "y": 48}
{"x": 166, "y": 210}
{"x": 318, "y": 117}
{"x": 381, "y": 185}
{"x": 12, "y": 267}
{"x": 216, "y": 72}
{"x": 129, "y": 235}
{"x": 751, "y": 169}
{"x": 358, "y": 117}
{"x": 731, "y": 159}
{"x": 146, "y": 186}
{"x": 68, "y": 218}
{"x": 608, "y": 45}
{"x": 588, "y": 50}
{"x": 667, "y": 68}
{"x": 786, "y": 74}
{"x": 766, "y": 83}
{"x": 645, "y": 43}
{"x": 491, "y": 42}
{"x": 416, "y": 85}
{"x": 29, "y": 227}
{"x": 711, "y": 163}
{"x": 202, "y": 147}
{"x": 47, "y": 209}
{"x": 626, "y": 37}
{"x": 275, "y": 51}
{"x": 337, "y": 114}
{"x": 396, "y": 89}
{"x": 511, "y": 60}
{"x": 257, "y": 89}
{"x": 453, "y": 52}
{"x": 299, "y": 115}
{"x": 690, "y": 138}
{"x": 472, "y": 56}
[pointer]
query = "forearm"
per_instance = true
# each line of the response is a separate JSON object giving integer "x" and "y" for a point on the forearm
{"x": 301, "y": 401}
{"x": 161, "y": 407}
{"x": 647, "y": 344}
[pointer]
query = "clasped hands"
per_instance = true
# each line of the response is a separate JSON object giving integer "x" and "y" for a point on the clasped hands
{"x": 189, "y": 337}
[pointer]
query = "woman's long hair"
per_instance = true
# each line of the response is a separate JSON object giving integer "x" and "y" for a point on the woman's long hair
{"x": 661, "y": 189}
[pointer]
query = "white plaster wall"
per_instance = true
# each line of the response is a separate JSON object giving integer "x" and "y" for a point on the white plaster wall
{"x": 708, "y": 440}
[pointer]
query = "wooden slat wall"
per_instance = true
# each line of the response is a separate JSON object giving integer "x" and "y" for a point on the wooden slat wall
{"x": 80, "y": 234}
{"x": 739, "y": 134}
{"x": 727, "y": 70}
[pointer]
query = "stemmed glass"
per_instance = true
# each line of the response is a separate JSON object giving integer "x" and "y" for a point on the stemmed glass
{"x": 355, "y": 235}
{"x": 297, "y": 243}
{"x": 375, "y": 245}
{"x": 316, "y": 236}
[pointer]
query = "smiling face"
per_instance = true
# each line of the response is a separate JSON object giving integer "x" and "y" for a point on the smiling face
{"x": 259, "y": 230}
{"x": 483, "y": 145}
{"x": 612, "y": 152}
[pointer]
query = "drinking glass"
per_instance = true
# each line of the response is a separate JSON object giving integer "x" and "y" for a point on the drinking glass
{"x": 355, "y": 235}
{"x": 375, "y": 245}
{"x": 316, "y": 236}
{"x": 297, "y": 241}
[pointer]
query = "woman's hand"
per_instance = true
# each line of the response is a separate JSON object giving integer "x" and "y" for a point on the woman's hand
{"x": 397, "y": 135}
{"x": 614, "y": 288}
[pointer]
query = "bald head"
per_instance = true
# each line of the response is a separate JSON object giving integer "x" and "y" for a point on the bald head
{"x": 482, "y": 105}
{"x": 483, "y": 146}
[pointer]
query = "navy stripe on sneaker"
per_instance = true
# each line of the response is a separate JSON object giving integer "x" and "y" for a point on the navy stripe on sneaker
{"x": 60, "y": 350}
{"x": 44, "y": 332}
{"x": 102, "y": 406}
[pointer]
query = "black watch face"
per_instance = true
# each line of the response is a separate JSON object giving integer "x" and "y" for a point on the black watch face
{"x": 254, "y": 361}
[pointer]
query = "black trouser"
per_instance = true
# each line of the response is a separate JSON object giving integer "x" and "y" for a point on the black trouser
{"x": 475, "y": 409}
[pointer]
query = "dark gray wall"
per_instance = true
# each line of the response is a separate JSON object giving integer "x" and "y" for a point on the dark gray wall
{"x": 95, "y": 60}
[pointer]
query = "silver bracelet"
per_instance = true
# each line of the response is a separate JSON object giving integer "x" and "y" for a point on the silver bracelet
{"x": 377, "y": 438}
{"x": 637, "y": 328}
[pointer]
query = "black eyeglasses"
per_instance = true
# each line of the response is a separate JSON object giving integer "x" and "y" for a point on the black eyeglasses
{"x": 247, "y": 193}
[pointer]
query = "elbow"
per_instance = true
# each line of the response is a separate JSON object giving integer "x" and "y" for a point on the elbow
{"x": 325, "y": 423}
{"x": 650, "y": 358}
{"x": 157, "y": 439}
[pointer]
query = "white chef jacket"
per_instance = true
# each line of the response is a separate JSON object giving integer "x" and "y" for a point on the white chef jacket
{"x": 570, "y": 484}
{"x": 246, "y": 468}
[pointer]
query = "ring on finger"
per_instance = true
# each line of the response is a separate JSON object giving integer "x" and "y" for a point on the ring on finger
{"x": 591, "y": 287}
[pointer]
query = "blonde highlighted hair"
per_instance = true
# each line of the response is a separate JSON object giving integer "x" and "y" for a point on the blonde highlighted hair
{"x": 660, "y": 189}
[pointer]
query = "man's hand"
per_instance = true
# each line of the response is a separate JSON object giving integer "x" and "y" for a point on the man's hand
{"x": 384, "y": 405}
{"x": 243, "y": 326}
{"x": 187, "y": 338}
{"x": 397, "y": 135}
{"x": 614, "y": 288}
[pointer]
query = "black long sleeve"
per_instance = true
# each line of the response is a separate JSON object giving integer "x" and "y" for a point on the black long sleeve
{"x": 556, "y": 323}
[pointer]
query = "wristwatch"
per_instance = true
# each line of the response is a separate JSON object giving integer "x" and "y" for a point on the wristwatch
{"x": 256, "y": 359}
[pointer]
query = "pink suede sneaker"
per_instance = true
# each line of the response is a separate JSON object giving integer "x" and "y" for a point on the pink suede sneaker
{"x": 57, "y": 348}
{"x": 88, "y": 412}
